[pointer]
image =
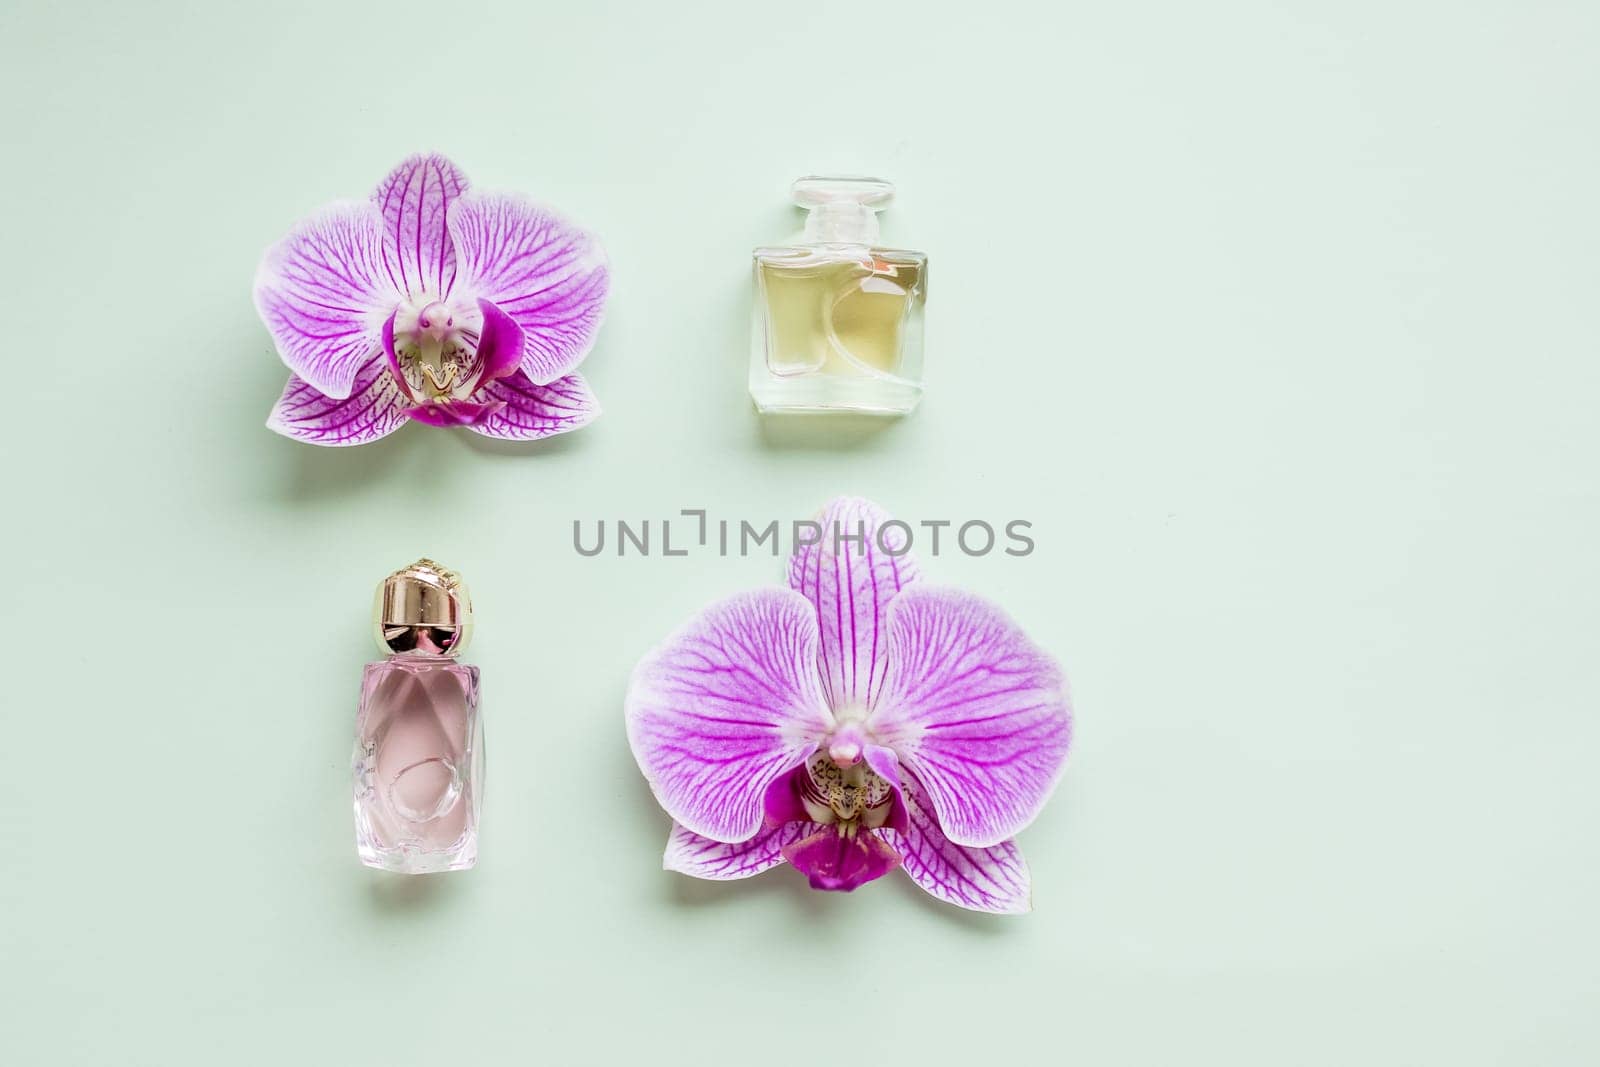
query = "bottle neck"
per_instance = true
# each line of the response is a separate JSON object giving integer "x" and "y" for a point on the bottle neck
{"x": 842, "y": 222}
{"x": 440, "y": 658}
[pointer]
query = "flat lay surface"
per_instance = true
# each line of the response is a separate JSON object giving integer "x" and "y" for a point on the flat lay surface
{"x": 1273, "y": 325}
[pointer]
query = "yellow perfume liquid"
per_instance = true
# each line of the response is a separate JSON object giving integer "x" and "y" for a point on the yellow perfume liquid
{"x": 838, "y": 317}
{"x": 838, "y": 323}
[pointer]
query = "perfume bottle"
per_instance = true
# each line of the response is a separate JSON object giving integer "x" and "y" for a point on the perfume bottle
{"x": 838, "y": 321}
{"x": 418, "y": 761}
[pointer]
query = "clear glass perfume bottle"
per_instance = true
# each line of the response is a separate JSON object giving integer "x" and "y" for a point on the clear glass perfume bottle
{"x": 418, "y": 761}
{"x": 838, "y": 321}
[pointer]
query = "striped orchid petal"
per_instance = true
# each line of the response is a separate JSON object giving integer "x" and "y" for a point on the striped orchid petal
{"x": 547, "y": 274}
{"x": 993, "y": 879}
{"x": 850, "y": 579}
{"x": 701, "y": 857}
{"x": 375, "y": 408}
{"x": 530, "y": 412}
{"x": 414, "y": 200}
{"x": 976, "y": 710}
{"x": 324, "y": 294}
{"x": 725, "y": 706}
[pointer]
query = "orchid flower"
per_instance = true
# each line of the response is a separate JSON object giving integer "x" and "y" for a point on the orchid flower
{"x": 433, "y": 302}
{"x": 856, "y": 721}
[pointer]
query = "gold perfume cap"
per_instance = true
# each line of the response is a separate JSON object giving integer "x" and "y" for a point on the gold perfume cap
{"x": 423, "y": 609}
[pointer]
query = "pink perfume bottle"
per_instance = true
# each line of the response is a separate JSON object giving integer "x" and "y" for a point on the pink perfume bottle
{"x": 418, "y": 759}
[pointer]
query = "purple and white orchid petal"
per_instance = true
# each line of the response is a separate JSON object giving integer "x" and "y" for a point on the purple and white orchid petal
{"x": 835, "y": 861}
{"x": 850, "y": 575}
{"x": 726, "y": 705}
{"x": 547, "y": 274}
{"x": 374, "y": 409}
{"x": 976, "y": 711}
{"x": 701, "y": 857}
{"x": 530, "y": 412}
{"x": 886, "y": 765}
{"x": 784, "y": 801}
{"x": 414, "y": 202}
{"x": 993, "y": 879}
{"x": 499, "y": 344}
{"x": 323, "y": 293}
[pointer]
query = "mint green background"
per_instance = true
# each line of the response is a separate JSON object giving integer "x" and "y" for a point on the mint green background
{"x": 1277, "y": 320}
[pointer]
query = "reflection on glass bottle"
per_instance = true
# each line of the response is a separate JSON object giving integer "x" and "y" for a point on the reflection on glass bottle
{"x": 838, "y": 323}
{"x": 418, "y": 761}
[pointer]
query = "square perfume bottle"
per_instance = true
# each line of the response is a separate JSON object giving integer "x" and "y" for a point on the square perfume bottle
{"x": 838, "y": 317}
